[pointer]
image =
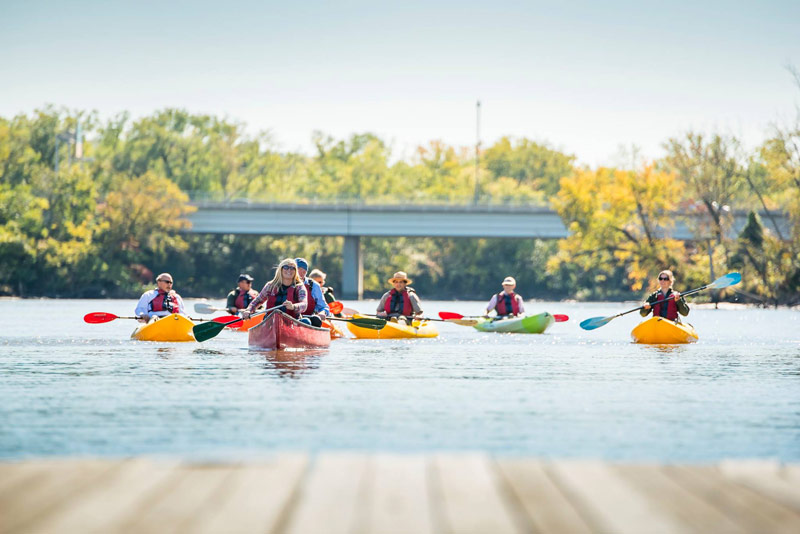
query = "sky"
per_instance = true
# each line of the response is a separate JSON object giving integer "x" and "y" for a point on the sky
{"x": 586, "y": 77}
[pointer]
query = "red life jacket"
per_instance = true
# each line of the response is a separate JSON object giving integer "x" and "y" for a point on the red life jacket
{"x": 502, "y": 307}
{"x": 312, "y": 303}
{"x": 164, "y": 302}
{"x": 393, "y": 305}
{"x": 244, "y": 298}
{"x": 279, "y": 295}
{"x": 667, "y": 309}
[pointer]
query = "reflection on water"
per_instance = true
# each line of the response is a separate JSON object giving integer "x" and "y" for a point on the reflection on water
{"x": 79, "y": 389}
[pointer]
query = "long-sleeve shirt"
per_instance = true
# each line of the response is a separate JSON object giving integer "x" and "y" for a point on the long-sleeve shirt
{"x": 143, "y": 306}
{"x": 299, "y": 290}
{"x": 493, "y": 303}
{"x": 319, "y": 300}
{"x": 655, "y": 296}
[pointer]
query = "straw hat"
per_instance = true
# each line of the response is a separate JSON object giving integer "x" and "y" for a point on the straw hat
{"x": 400, "y": 276}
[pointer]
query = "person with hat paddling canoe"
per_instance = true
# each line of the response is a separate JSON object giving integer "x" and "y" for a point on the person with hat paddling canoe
{"x": 401, "y": 303}
{"x": 285, "y": 288}
{"x": 674, "y": 305}
{"x": 159, "y": 302}
{"x": 317, "y": 309}
{"x": 327, "y": 292}
{"x": 241, "y": 297}
{"x": 506, "y": 303}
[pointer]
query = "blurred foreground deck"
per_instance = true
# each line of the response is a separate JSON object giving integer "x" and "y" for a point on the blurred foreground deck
{"x": 374, "y": 493}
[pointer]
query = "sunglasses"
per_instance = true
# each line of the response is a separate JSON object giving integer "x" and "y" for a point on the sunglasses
{"x": 663, "y": 278}
{"x": 165, "y": 281}
{"x": 288, "y": 268}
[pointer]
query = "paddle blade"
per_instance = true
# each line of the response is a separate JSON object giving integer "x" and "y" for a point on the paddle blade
{"x": 227, "y": 319}
{"x": 367, "y": 322}
{"x": 202, "y": 307}
{"x": 463, "y": 322}
{"x": 336, "y": 307}
{"x": 204, "y": 331}
{"x": 99, "y": 317}
{"x": 450, "y": 315}
{"x": 595, "y": 322}
{"x": 560, "y": 317}
{"x": 730, "y": 279}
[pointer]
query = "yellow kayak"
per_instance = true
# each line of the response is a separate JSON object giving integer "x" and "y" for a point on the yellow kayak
{"x": 394, "y": 330}
{"x": 173, "y": 327}
{"x": 661, "y": 331}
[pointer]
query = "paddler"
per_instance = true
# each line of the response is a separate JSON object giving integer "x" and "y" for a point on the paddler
{"x": 672, "y": 307}
{"x": 400, "y": 304}
{"x": 506, "y": 303}
{"x": 285, "y": 288}
{"x": 317, "y": 309}
{"x": 161, "y": 301}
{"x": 241, "y": 297}
{"x": 327, "y": 292}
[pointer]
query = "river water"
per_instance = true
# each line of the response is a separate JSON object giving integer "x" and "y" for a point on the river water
{"x": 71, "y": 388}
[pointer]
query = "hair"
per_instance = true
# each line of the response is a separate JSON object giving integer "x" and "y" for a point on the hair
{"x": 317, "y": 273}
{"x": 668, "y": 273}
{"x": 278, "y": 280}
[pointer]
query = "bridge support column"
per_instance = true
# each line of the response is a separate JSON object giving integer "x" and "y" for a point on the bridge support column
{"x": 352, "y": 268}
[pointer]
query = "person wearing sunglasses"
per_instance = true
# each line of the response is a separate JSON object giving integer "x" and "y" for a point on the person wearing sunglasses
{"x": 674, "y": 305}
{"x": 161, "y": 301}
{"x": 327, "y": 292}
{"x": 285, "y": 288}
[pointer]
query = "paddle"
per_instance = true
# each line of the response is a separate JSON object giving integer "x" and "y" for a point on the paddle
{"x": 202, "y": 307}
{"x": 203, "y": 332}
{"x": 729, "y": 279}
{"x": 336, "y": 307}
{"x": 450, "y": 316}
{"x": 105, "y": 317}
{"x": 363, "y": 322}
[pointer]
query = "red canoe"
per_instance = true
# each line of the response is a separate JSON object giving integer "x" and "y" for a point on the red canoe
{"x": 280, "y": 331}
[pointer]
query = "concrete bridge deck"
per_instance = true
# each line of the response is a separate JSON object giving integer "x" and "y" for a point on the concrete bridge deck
{"x": 380, "y": 493}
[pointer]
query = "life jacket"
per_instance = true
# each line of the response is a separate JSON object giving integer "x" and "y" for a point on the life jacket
{"x": 506, "y": 304}
{"x": 164, "y": 301}
{"x": 244, "y": 298}
{"x": 668, "y": 309}
{"x": 279, "y": 295}
{"x": 312, "y": 303}
{"x": 399, "y": 302}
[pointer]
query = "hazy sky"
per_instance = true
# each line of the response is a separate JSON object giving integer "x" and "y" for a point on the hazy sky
{"x": 585, "y": 76}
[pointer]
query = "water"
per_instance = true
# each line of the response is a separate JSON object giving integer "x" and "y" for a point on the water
{"x": 71, "y": 388}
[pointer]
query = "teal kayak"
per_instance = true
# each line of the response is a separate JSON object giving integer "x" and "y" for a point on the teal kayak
{"x": 526, "y": 324}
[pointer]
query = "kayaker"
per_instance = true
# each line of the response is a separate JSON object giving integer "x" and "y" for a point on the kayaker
{"x": 317, "y": 309}
{"x": 506, "y": 303}
{"x": 670, "y": 309}
{"x": 327, "y": 292}
{"x": 285, "y": 288}
{"x": 242, "y": 296}
{"x": 161, "y": 301}
{"x": 400, "y": 304}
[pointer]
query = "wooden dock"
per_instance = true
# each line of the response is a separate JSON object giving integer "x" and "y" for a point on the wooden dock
{"x": 377, "y": 493}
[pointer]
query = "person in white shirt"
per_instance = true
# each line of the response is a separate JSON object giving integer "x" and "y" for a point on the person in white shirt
{"x": 506, "y": 303}
{"x": 161, "y": 301}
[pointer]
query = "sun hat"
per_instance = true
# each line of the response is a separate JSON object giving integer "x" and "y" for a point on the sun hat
{"x": 509, "y": 281}
{"x": 302, "y": 263}
{"x": 400, "y": 276}
{"x": 245, "y": 278}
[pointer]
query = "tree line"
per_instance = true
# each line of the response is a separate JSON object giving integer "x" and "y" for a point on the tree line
{"x": 99, "y": 220}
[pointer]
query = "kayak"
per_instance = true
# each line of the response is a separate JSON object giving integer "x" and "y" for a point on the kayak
{"x": 526, "y": 324}
{"x": 281, "y": 331}
{"x": 394, "y": 330}
{"x": 173, "y": 327}
{"x": 246, "y": 324}
{"x": 661, "y": 331}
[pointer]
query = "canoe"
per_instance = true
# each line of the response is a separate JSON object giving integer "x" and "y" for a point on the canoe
{"x": 661, "y": 331}
{"x": 526, "y": 324}
{"x": 394, "y": 330}
{"x": 281, "y": 331}
{"x": 173, "y": 327}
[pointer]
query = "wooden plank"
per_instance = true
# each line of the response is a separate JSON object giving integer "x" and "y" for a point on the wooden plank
{"x": 764, "y": 477}
{"x": 331, "y": 500}
{"x": 609, "y": 502}
{"x": 60, "y": 483}
{"x": 189, "y": 489}
{"x": 399, "y": 498}
{"x": 105, "y": 506}
{"x": 256, "y": 497}
{"x": 546, "y": 506}
{"x": 752, "y": 511}
{"x": 468, "y": 496}
{"x": 695, "y": 514}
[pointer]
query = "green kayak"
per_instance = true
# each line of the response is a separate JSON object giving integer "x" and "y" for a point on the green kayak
{"x": 526, "y": 324}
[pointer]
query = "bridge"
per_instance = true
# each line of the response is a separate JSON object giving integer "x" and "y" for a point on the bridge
{"x": 353, "y": 221}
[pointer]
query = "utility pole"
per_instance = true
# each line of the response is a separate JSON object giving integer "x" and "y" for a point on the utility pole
{"x": 477, "y": 148}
